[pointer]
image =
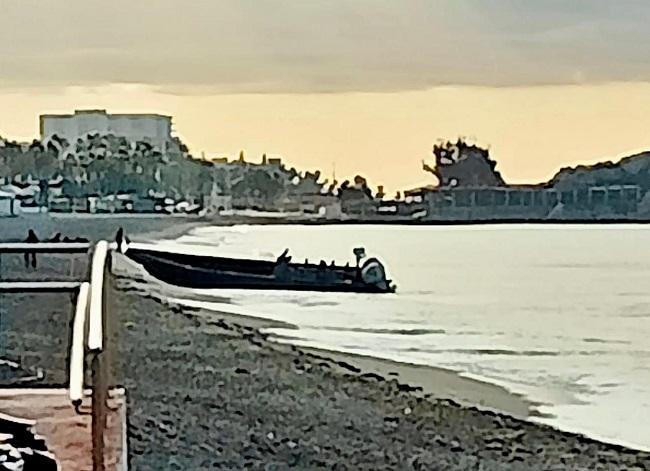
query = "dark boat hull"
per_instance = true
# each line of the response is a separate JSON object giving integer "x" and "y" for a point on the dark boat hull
{"x": 204, "y": 272}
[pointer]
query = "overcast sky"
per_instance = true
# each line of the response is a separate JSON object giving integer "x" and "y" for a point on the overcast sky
{"x": 216, "y": 46}
{"x": 545, "y": 84}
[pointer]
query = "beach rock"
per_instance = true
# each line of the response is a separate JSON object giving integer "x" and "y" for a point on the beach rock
{"x": 455, "y": 446}
{"x": 373, "y": 376}
{"x": 348, "y": 366}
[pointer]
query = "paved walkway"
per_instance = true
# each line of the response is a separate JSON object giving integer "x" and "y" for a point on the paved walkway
{"x": 68, "y": 434}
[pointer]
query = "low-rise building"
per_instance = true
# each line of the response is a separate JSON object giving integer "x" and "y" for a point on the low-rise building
{"x": 357, "y": 202}
{"x": 531, "y": 202}
{"x": 7, "y": 204}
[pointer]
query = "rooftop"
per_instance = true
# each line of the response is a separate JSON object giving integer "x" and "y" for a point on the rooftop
{"x": 104, "y": 112}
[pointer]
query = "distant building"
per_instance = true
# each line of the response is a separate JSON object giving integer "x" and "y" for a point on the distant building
{"x": 7, "y": 204}
{"x": 357, "y": 202}
{"x": 216, "y": 201}
{"x": 532, "y": 202}
{"x": 152, "y": 128}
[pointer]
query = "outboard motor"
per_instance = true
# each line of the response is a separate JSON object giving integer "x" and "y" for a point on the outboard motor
{"x": 374, "y": 273}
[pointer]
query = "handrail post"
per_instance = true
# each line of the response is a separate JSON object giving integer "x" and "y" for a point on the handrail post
{"x": 98, "y": 411}
{"x": 96, "y": 338}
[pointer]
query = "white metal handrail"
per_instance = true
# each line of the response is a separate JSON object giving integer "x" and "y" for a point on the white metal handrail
{"x": 44, "y": 247}
{"x": 38, "y": 286}
{"x": 89, "y": 309}
{"x": 95, "y": 315}
{"x": 77, "y": 346}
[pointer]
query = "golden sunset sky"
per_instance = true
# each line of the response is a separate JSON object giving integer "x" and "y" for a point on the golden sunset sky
{"x": 367, "y": 86}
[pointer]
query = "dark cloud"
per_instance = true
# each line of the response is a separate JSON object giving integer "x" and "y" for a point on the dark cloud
{"x": 213, "y": 46}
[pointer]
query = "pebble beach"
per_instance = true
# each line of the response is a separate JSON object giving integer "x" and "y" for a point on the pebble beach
{"x": 212, "y": 391}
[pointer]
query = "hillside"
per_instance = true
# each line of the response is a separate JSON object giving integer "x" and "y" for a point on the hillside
{"x": 632, "y": 170}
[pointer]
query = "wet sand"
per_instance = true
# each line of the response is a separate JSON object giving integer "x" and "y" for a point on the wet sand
{"x": 440, "y": 383}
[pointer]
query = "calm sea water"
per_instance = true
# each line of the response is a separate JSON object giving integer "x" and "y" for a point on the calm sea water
{"x": 559, "y": 313}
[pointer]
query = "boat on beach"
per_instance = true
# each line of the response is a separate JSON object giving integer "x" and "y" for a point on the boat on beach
{"x": 211, "y": 272}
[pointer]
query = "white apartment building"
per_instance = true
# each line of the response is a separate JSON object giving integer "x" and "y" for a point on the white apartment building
{"x": 153, "y": 128}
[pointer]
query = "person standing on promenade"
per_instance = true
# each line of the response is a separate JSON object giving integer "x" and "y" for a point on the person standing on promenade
{"x": 31, "y": 256}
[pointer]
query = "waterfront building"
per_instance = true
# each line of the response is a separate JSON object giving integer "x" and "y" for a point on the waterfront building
{"x": 153, "y": 128}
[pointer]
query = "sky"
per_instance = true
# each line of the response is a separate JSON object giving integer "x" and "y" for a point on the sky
{"x": 359, "y": 86}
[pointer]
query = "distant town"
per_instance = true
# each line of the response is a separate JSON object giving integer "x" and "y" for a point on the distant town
{"x": 95, "y": 162}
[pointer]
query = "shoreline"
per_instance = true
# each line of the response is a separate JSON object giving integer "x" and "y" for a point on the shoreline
{"x": 436, "y": 382}
{"x": 271, "y": 221}
{"x": 441, "y": 382}
{"x": 170, "y": 233}
{"x": 427, "y": 381}
{"x": 434, "y": 223}
{"x": 97, "y": 228}
{"x": 229, "y": 221}
{"x": 319, "y": 385}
